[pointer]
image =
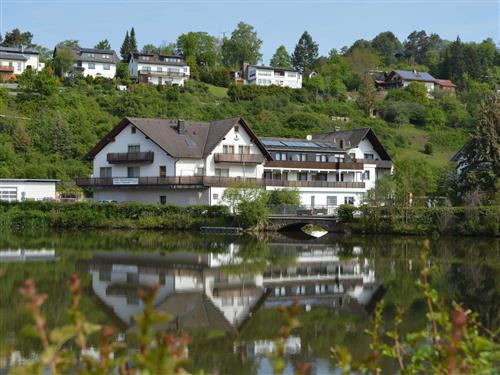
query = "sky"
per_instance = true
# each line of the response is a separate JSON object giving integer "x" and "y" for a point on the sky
{"x": 332, "y": 23}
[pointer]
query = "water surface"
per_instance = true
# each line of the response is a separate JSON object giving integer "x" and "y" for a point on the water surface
{"x": 224, "y": 290}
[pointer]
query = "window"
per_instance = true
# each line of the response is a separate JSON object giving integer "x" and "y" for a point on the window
{"x": 341, "y": 143}
{"x": 368, "y": 156}
{"x": 300, "y": 289}
{"x": 92, "y": 55}
{"x": 104, "y": 276}
{"x": 107, "y": 57}
{"x": 236, "y": 129}
{"x": 221, "y": 172}
{"x": 163, "y": 170}
{"x": 321, "y": 158}
{"x": 91, "y": 66}
{"x": 163, "y": 199}
{"x": 268, "y": 175}
{"x": 366, "y": 176}
{"x": 18, "y": 66}
{"x": 228, "y": 149}
{"x": 244, "y": 150}
{"x": 132, "y": 278}
{"x": 280, "y": 156}
{"x": 132, "y": 298}
{"x": 331, "y": 200}
{"x": 320, "y": 289}
{"x": 348, "y": 200}
{"x": 302, "y": 176}
{"x": 293, "y": 75}
{"x": 352, "y": 155}
{"x": 8, "y": 194}
{"x": 134, "y": 148}
{"x": 159, "y": 69}
{"x": 227, "y": 301}
{"x": 302, "y": 157}
{"x": 146, "y": 68}
{"x": 133, "y": 172}
{"x": 215, "y": 196}
{"x": 105, "y": 172}
{"x": 106, "y": 66}
{"x": 280, "y": 291}
{"x": 133, "y": 129}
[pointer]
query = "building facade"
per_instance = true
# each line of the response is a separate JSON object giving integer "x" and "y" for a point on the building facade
{"x": 158, "y": 69}
{"x": 186, "y": 163}
{"x": 15, "y": 190}
{"x": 402, "y": 78}
{"x": 14, "y": 61}
{"x": 267, "y": 75}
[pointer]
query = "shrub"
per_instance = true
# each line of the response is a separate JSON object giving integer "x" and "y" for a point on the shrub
{"x": 284, "y": 196}
{"x": 345, "y": 212}
{"x": 428, "y": 148}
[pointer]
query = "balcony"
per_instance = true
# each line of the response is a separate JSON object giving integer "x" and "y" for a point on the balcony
{"x": 238, "y": 158}
{"x": 206, "y": 181}
{"x": 163, "y": 73}
{"x": 313, "y": 165}
{"x": 130, "y": 157}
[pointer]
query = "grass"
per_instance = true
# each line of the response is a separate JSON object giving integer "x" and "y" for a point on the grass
{"x": 219, "y": 92}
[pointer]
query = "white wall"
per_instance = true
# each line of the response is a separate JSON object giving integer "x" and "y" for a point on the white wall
{"x": 180, "y": 197}
{"x": 122, "y": 140}
{"x": 134, "y": 67}
{"x": 266, "y": 77}
{"x": 99, "y": 70}
{"x": 36, "y": 190}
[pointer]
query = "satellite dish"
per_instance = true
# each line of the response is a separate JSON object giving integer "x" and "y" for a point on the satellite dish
{"x": 309, "y": 137}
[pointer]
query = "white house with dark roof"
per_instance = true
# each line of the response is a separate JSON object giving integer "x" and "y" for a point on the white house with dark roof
{"x": 261, "y": 75}
{"x": 158, "y": 69}
{"x": 402, "y": 78}
{"x": 94, "y": 62}
{"x": 14, "y": 61}
{"x": 185, "y": 163}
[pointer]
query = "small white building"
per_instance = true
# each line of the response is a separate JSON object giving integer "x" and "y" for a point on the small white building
{"x": 16, "y": 190}
{"x": 267, "y": 75}
{"x": 158, "y": 69}
{"x": 14, "y": 61}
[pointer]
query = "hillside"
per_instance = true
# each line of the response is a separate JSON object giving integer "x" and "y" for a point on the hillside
{"x": 46, "y": 134}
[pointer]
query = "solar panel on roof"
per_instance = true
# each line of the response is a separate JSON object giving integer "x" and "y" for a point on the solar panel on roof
{"x": 270, "y": 142}
{"x": 299, "y": 144}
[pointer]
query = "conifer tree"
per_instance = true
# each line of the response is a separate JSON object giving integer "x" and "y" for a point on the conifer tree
{"x": 305, "y": 53}
{"x": 125, "y": 48}
{"x": 133, "y": 41}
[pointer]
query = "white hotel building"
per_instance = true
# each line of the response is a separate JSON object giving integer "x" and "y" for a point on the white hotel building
{"x": 185, "y": 163}
{"x": 268, "y": 75}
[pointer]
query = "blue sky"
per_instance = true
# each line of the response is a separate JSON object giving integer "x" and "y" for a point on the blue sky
{"x": 332, "y": 23}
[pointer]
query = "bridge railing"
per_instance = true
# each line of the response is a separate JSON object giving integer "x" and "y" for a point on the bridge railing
{"x": 302, "y": 210}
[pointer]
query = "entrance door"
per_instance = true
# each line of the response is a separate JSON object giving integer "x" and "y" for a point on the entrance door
{"x": 312, "y": 200}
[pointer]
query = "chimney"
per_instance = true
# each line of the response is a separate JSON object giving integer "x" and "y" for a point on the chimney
{"x": 181, "y": 127}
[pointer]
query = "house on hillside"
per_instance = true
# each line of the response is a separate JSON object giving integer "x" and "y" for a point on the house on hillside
{"x": 94, "y": 62}
{"x": 158, "y": 69}
{"x": 267, "y": 75}
{"x": 185, "y": 163}
{"x": 14, "y": 61}
{"x": 402, "y": 78}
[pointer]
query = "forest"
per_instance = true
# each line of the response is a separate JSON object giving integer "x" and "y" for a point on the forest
{"x": 50, "y": 121}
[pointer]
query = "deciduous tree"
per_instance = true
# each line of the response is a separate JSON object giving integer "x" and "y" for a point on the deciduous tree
{"x": 281, "y": 58}
{"x": 17, "y": 38}
{"x": 243, "y": 46}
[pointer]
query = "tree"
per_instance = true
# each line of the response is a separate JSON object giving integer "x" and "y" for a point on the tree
{"x": 243, "y": 46}
{"x": 416, "y": 46}
{"x": 367, "y": 95}
{"x": 61, "y": 134}
{"x": 133, "y": 41}
{"x": 479, "y": 168}
{"x": 103, "y": 44}
{"x": 125, "y": 48}
{"x": 199, "y": 49}
{"x": 387, "y": 45}
{"x": 284, "y": 196}
{"x": 150, "y": 49}
{"x": 281, "y": 58}
{"x": 16, "y": 38}
{"x": 64, "y": 60}
{"x": 69, "y": 43}
{"x": 306, "y": 51}
{"x": 249, "y": 202}
{"x": 362, "y": 60}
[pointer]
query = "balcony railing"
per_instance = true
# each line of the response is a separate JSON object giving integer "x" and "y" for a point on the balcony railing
{"x": 204, "y": 181}
{"x": 163, "y": 73}
{"x": 130, "y": 157}
{"x": 238, "y": 158}
{"x": 313, "y": 165}
{"x": 386, "y": 164}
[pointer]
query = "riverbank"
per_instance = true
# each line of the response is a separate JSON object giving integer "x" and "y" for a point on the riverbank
{"x": 457, "y": 221}
{"x": 460, "y": 221}
{"x": 52, "y": 215}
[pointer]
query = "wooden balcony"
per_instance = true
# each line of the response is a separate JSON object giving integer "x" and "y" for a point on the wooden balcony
{"x": 290, "y": 164}
{"x": 130, "y": 157}
{"x": 238, "y": 158}
{"x": 206, "y": 181}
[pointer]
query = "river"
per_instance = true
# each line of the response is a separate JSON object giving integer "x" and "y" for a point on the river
{"x": 224, "y": 290}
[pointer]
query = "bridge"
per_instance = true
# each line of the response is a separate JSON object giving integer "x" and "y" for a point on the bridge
{"x": 296, "y": 222}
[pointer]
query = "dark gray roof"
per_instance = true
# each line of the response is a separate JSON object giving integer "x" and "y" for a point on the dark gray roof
{"x": 19, "y": 50}
{"x": 13, "y": 56}
{"x": 198, "y": 140}
{"x": 409, "y": 75}
{"x": 265, "y": 67}
{"x": 158, "y": 59}
{"x": 352, "y": 138}
{"x": 80, "y": 55}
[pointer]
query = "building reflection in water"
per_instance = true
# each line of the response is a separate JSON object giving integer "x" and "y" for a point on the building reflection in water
{"x": 198, "y": 291}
